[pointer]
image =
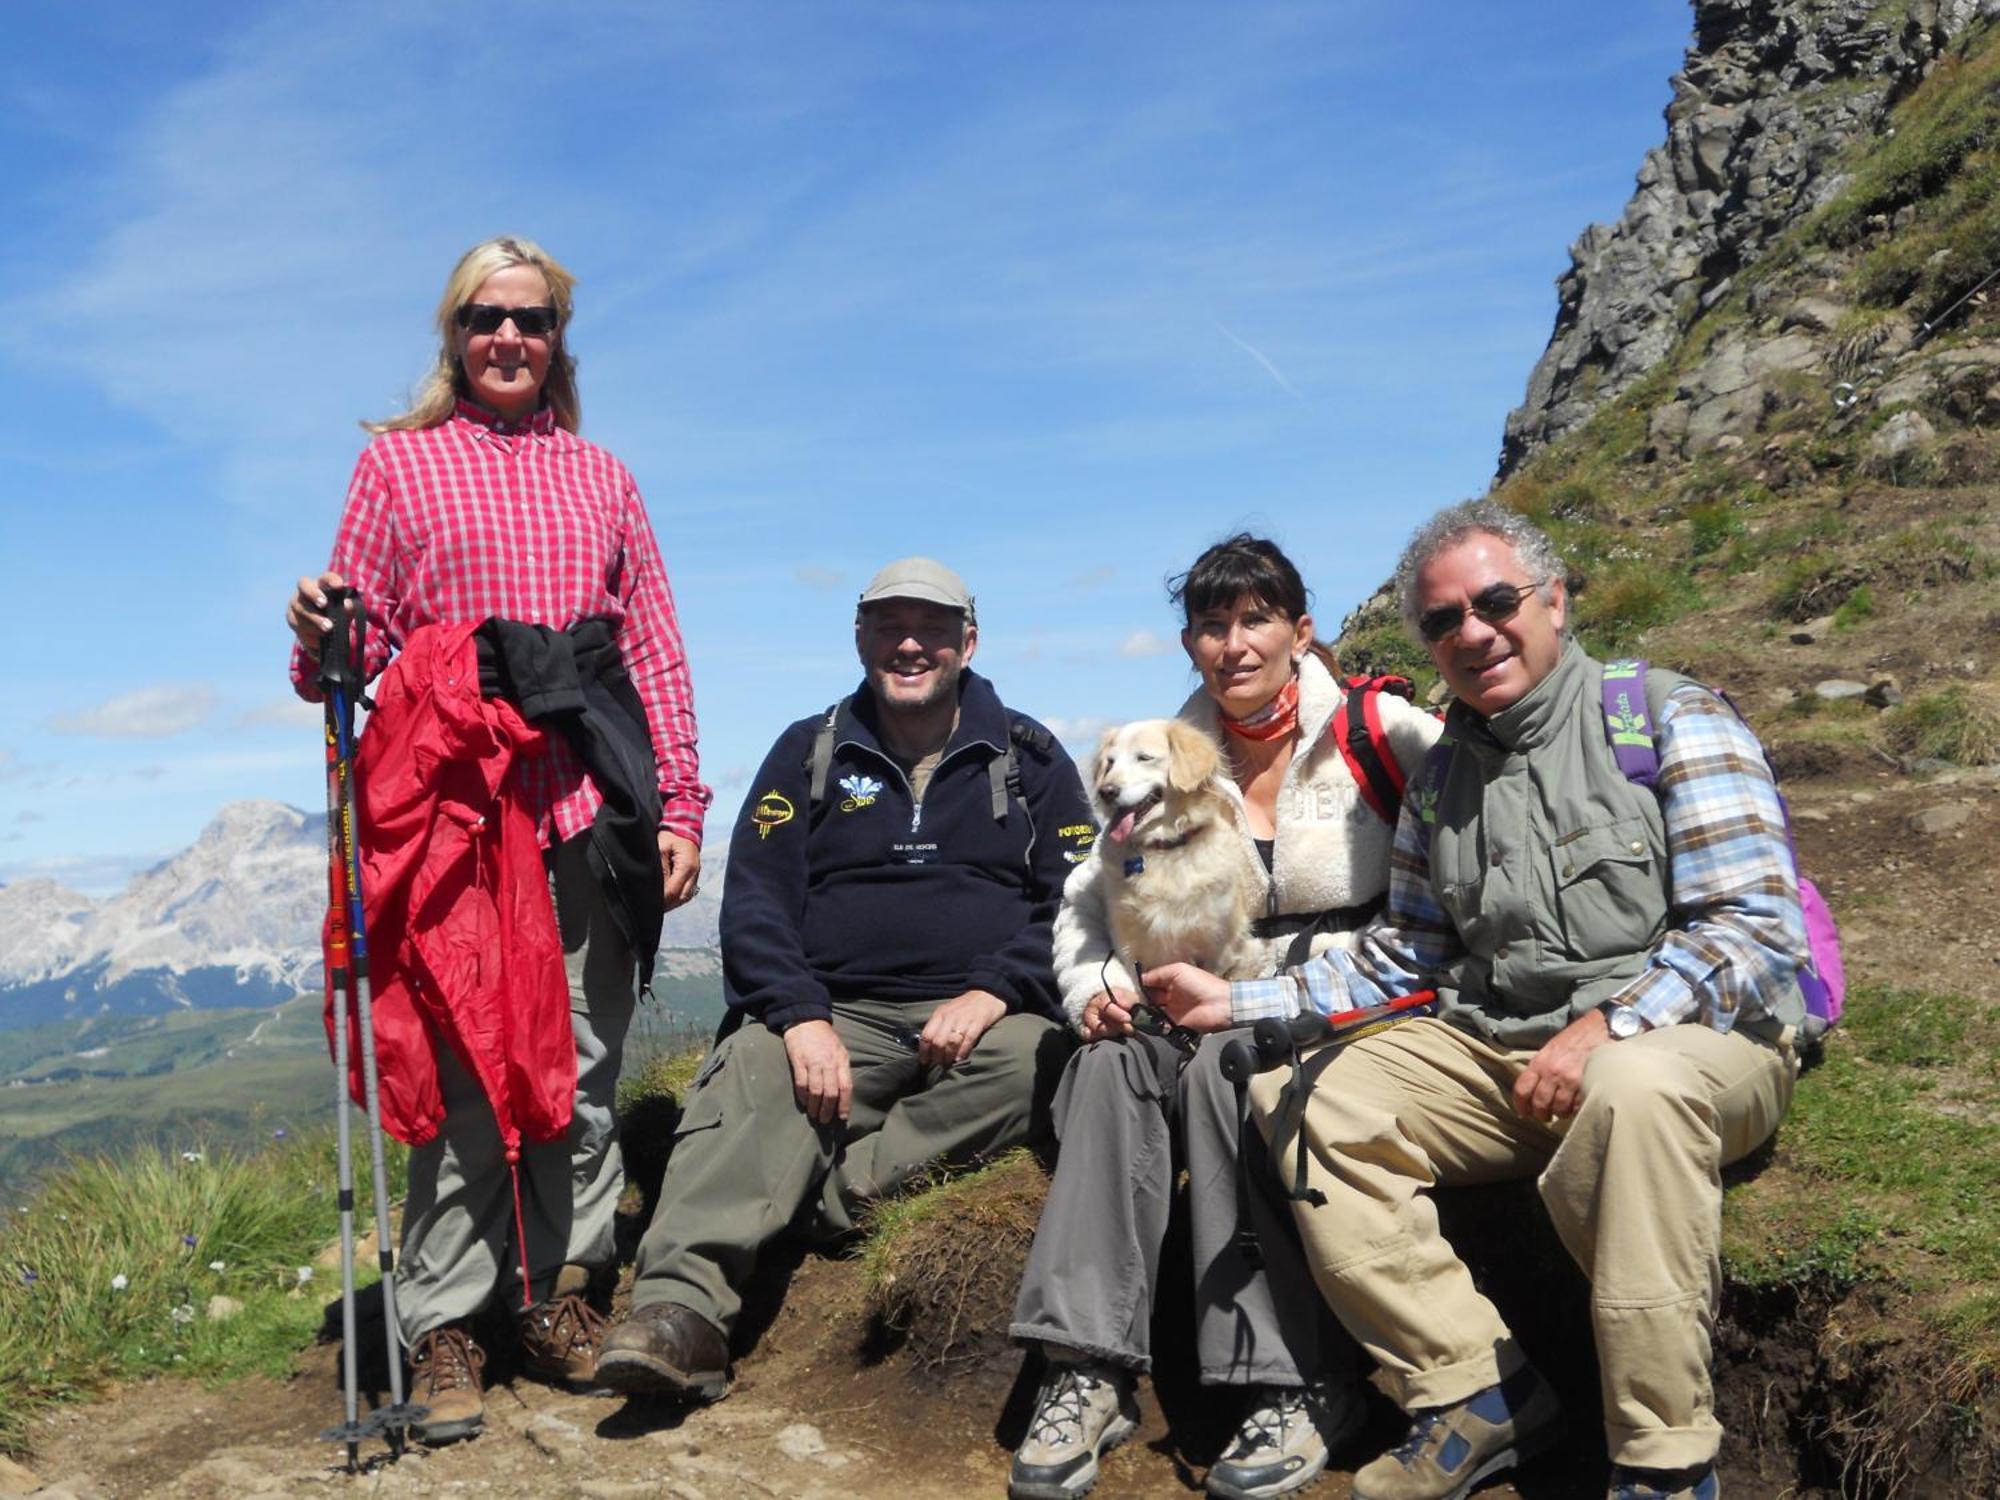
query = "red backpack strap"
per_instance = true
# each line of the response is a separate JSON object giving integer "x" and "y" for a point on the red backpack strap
{"x": 1364, "y": 745}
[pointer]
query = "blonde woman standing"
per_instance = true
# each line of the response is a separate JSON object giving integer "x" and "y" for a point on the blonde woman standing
{"x": 482, "y": 503}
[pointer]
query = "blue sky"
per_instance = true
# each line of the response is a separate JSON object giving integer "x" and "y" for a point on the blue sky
{"x": 1057, "y": 292}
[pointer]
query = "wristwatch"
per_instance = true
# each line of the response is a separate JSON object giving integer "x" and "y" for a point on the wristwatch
{"x": 1623, "y": 1020}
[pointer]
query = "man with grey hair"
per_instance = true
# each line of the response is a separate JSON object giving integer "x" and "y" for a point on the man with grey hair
{"x": 886, "y": 924}
{"x": 1615, "y": 968}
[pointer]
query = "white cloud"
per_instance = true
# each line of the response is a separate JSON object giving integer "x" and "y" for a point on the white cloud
{"x": 10, "y": 764}
{"x": 818, "y": 577}
{"x": 285, "y": 711}
{"x": 101, "y": 875}
{"x": 1080, "y": 729}
{"x": 145, "y": 713}
{"x": 1145, "y": 643}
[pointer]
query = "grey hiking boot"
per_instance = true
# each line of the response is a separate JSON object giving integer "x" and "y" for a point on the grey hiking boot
{"x": 444, "y": 1379}
{"x": 1450, "y": 1449}
{"x": 666, "y": 1349}
{"x": 1284, "y": 1440}
{"x": 1082, "y": 1412}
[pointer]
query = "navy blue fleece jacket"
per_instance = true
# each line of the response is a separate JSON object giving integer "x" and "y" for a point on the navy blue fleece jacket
{"x": 870, "y": 895}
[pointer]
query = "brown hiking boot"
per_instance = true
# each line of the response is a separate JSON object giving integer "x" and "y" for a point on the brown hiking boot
{"x": 444, "y": 1378}
{"x": 666, "y": 1349}
{"x": 560, "y": 1339}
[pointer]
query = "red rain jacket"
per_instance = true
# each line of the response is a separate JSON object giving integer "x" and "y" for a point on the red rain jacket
{"x": 461, "y": 932}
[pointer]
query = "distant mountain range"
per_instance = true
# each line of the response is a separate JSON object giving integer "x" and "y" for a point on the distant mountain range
{"x": 231, "y": 922}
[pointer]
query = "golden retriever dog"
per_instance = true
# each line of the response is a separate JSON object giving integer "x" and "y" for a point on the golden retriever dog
{"x": 1180, "y": 875}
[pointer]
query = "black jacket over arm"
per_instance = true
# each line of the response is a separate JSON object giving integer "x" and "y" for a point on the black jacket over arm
{"x": 574, "y": 682}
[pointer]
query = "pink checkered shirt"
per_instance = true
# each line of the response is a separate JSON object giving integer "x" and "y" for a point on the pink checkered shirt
{"x": 477, "y": 517}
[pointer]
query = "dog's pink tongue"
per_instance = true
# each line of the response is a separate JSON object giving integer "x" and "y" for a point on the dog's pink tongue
{"x": 1122, "y": 829}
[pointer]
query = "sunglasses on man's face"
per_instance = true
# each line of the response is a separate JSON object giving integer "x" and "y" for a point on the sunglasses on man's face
{"x": 530, "y": 322}
{"x": 1496, "y": 604}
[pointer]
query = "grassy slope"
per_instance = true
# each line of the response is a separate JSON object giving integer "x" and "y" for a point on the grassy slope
{"x": 111, "y": 1271}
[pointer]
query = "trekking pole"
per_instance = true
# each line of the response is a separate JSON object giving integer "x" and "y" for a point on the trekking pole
{"x": 341, "y": 675}
{"x": 332, "y": 667}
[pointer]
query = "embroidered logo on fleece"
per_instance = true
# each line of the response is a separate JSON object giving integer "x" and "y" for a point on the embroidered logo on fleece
{"x": 772, "y": 810}
{"x": 861, "y": 792}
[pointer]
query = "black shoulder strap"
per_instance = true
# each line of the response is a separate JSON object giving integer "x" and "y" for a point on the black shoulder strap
{"x": 820, "y": 762}
{"x": 1003, "y": 772}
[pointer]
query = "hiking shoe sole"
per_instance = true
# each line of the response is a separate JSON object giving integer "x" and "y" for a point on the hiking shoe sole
{"x": 1083, "y": 1480}
{"x": 438, "y": 1434}
{"x": 636, "y": 1374}
{"x": 1352, "y": 1420}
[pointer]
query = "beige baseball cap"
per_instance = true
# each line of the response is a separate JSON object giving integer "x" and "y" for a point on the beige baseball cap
{"x": 919, "y": 578}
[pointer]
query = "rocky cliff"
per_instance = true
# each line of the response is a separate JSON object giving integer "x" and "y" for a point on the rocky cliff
{"x": 1774, "y": 98}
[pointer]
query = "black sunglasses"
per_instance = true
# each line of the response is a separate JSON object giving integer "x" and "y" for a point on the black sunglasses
{"x": 530, "y": 322}
{"x": 1495, "y": 604}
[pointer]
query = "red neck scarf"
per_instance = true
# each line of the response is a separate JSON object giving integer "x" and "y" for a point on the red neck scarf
{"x": 1274, "y": 720}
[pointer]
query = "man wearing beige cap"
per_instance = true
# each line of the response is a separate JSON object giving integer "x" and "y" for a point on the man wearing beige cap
{"x": 885, "y": 945}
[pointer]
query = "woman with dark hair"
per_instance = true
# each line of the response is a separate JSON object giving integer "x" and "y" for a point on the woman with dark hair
{"x": 1268, "y": 694}
{"x": 482, "y": 504}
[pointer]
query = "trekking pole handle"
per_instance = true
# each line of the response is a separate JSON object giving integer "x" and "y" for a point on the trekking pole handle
{"x": 1239, "y": 1062}
{"x": 335, "y": 643}
{"x": 343, "y": 655}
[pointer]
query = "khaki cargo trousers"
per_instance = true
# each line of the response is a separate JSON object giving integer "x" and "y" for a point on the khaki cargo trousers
{"x": 748, "y": 1163}
{"x": 1632, "y": 1181}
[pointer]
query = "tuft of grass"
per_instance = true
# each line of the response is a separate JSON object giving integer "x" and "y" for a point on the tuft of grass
{"x": 1950, "y": 725}
{"x": 1816, "y": 584}
{"x": 1856, "y": 607}
{"x": 1626, "y": 600}
{"x": 666, "y": 1076}
{"x": 1929, "y": 555}
{"x": 107, "y": 1272}
{"x": 941, "y": 1261}
{"x": 1713, "y": 526}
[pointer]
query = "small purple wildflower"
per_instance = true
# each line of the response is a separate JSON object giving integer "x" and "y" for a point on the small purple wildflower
{"x": 278, "y": 1134}
{"x": 28, "y": 1276}
{"x": 188, "y": 1240}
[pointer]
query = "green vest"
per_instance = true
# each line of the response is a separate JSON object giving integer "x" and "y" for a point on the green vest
{"x": 1551, "y": 865}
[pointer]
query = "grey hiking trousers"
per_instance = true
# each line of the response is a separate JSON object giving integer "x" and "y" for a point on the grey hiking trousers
{"x": 1094, "y": 1269}
{"x": 748, "y": 1163}
{"x": 458, "y": 1251}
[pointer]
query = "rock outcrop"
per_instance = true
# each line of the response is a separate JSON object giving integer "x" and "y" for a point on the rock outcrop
{"x": 1772, "y": 95}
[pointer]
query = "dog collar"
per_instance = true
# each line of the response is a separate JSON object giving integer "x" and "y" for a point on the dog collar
{"x": 1136, "y": 863}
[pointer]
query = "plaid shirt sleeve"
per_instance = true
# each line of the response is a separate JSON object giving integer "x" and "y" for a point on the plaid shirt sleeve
{"x": 650, "y": 642}
{"x": 1736, "y": 933}
{"x": 364, "y": 551}
{"x": 1411, "y": 938}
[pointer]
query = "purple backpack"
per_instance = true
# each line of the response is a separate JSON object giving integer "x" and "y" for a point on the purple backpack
{"x": 1628, "y": 726}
